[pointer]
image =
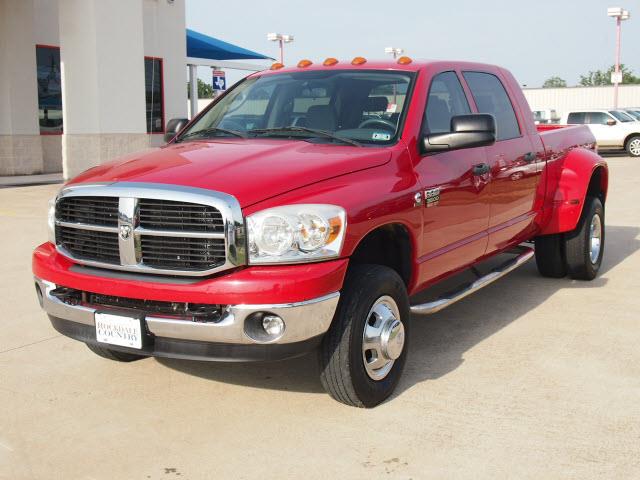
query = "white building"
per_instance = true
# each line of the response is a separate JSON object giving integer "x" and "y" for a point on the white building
{"x": 84, "y": 81}
{"x": 567, "y": 99}
{"x": 95, "y": 65}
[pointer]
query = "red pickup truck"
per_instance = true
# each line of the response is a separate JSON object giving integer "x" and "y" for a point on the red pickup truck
{"x": 305, "y": 208}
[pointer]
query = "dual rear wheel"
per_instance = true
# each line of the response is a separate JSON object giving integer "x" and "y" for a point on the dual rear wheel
{"x": 577, "y": 253}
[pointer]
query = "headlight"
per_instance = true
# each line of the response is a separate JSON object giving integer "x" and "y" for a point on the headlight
{"x": 51, "y": 220}
{"x": 296, "y": 233}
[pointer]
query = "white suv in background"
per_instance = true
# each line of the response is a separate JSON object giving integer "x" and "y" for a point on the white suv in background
{"x": 613, "y": 129}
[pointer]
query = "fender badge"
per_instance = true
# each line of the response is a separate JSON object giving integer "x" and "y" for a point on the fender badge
{"x": 432, "y": 197}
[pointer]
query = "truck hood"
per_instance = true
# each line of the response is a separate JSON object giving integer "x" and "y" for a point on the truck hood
{"x": 252, "y": 170}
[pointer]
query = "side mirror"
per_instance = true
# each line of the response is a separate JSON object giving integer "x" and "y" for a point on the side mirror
{"x": 467, "y": 131}
{"x": 173, "y": 128}
{"x": 611, "y": 122}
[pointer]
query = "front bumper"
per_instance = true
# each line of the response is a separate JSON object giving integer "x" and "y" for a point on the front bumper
{"x": 227, "y": 339}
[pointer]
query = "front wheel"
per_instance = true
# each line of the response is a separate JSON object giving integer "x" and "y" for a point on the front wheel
{"x": 364, "y": 352}
{"x": 114, "y": 354}
{"x": 633, "y": 146}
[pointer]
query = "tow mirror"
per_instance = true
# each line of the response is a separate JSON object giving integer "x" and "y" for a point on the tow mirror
{"x": 467, "y": 131}
{"x": 611, "y": 122}
{"x": 173, "y": 128}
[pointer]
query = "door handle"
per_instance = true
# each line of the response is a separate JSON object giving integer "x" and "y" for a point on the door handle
{"x": 529, "y": 157}
{"x": 481, "y": 169}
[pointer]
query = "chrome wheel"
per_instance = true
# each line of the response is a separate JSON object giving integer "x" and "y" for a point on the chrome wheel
{"x": 595, "y": 238}
{"x": 634, "y": 147}
{"x": 383, "y": 338}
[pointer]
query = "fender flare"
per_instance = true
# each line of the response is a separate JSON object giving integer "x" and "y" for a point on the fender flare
{"x": 570, "y": 179}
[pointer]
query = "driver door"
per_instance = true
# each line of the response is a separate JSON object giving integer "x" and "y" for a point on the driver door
{"x": 456, "y": 204}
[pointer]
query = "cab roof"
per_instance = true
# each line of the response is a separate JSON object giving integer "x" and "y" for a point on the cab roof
{"x": 413, "y": 66}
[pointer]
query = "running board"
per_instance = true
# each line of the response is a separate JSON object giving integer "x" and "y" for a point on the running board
{"x": 524, "y": 254}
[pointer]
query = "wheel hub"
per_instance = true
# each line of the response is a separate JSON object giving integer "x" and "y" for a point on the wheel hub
{"x": 634, "y": 147}
{"x": 383, "y": 338}
{"x": 595, "y": 238}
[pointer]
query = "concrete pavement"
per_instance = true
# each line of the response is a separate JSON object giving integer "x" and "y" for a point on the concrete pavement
{"x": 530, "y": 378}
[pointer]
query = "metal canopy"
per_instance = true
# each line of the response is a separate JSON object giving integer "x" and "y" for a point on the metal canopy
{"x": 203, "y": 46}
{"x": 211, "y": 52}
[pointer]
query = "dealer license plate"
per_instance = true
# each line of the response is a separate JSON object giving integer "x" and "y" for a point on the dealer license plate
{"x": 118, "y": 330}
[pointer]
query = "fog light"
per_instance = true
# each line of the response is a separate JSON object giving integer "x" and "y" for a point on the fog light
{"x": 273, "y": 325}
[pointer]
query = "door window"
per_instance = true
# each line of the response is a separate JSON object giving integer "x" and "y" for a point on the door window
{"x": 446, "y": 99}
{"x": 491, "y": 97}
{"x": 576, "y": 118}
{"x": 598, "y": 118}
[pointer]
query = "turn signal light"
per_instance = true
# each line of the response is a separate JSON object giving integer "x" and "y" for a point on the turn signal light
{"x": 404, "y": 60}
{"x": 277, "y": 66}
{"x": 330, "y": 62}
{"x": 304, "y": 63}
{"x": 358, "y": 61}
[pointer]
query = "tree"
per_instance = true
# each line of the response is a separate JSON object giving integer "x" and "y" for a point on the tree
{"x": 599, "y": 77}
{"x": 554, "y": 82}
{"x": 204, "y": 90}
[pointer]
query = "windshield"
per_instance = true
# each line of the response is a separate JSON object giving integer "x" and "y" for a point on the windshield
{"x": 634, "y": 113}
{"x": 623, "y": 117}
{"x": 363, "y": 106}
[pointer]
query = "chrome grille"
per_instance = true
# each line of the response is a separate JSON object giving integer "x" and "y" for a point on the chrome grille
{"x": 89, "y": 244}
{"x": 182, "y": 253}
{"x": 152, "y": 228}
{"x": 179, "y": 216}
{"x": 91, "y": 210}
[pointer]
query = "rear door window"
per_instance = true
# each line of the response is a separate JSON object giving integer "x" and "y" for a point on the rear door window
{"x": 446, "y": 99}
{"x": 576, "y": 118}
{"x": 491, "y": 97}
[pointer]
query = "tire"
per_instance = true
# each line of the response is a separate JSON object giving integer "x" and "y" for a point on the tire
{"x": 114, "y": 354}
{"x": 583, "y": 261}
{"x": 633, "y": 146}
{"x": 347, "y": 373}
{"x": 550, "y": 256}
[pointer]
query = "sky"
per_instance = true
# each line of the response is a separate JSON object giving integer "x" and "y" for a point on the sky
{"x": 535, "y": 39}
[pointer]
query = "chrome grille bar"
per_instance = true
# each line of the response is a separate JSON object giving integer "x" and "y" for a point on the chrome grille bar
{"x": 204, "y": 231}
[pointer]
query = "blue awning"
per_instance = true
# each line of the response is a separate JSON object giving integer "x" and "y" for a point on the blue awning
{"x": 203, "y": 46}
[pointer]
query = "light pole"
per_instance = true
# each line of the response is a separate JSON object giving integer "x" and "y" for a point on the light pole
{"x": 619, "y": 14}
{"x": 395, "y": 52}
{"x": 282, "y": 39}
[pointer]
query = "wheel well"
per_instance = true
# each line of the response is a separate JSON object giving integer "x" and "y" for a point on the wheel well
{"x": 388, "y": 245}
{"x": 598, "y": 184}
{"x": 629, "y": 137}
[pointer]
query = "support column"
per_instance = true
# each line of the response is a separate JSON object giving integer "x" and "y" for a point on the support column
{"x": 20, "y": 144}
{"x": 103, "y": 83}
{"x": 193, "y": 90}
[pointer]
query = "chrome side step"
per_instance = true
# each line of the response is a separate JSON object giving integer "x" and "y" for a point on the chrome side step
{"x": 524, "y": 254}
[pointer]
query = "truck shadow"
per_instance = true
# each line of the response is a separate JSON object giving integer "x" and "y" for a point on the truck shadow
{"x": 438, "y": 342}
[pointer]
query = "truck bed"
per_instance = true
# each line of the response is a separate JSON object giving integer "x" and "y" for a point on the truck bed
{"x": 558, "y": 138}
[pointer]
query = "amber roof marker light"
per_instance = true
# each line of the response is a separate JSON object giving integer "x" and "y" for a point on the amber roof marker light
{"x": 330, "y": 62}
{"x": 304, "y": 63}
{"x": 404, "y": 60}
{"x": 358, "y": 61}
{"x": 277, "y": 66}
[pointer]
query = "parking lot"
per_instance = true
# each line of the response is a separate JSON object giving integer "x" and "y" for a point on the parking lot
{"x": 529, "y": 378}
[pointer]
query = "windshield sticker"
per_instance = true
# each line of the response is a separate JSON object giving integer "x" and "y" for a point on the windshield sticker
{"x": 381, "y": 136}
{"x": 392, "y": 107}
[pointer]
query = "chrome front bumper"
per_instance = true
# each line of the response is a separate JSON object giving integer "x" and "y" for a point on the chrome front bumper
{"x": 303, "y": 320}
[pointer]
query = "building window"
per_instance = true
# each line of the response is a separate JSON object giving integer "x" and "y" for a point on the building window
{"x": 154, "y": 90}
{"x": 49, "y": 90}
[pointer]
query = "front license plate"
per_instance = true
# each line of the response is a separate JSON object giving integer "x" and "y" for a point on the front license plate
{"x": 118, "y": 330}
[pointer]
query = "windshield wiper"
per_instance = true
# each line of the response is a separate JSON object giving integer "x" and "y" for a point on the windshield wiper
{"x": 312, "y": 131}
{"x": 212, "y": 130}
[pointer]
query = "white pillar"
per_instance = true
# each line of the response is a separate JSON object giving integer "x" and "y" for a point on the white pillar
{"x": 193, "y": 90}
{"x": 103, "y": 85}
{"x": 20, "y": 144}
